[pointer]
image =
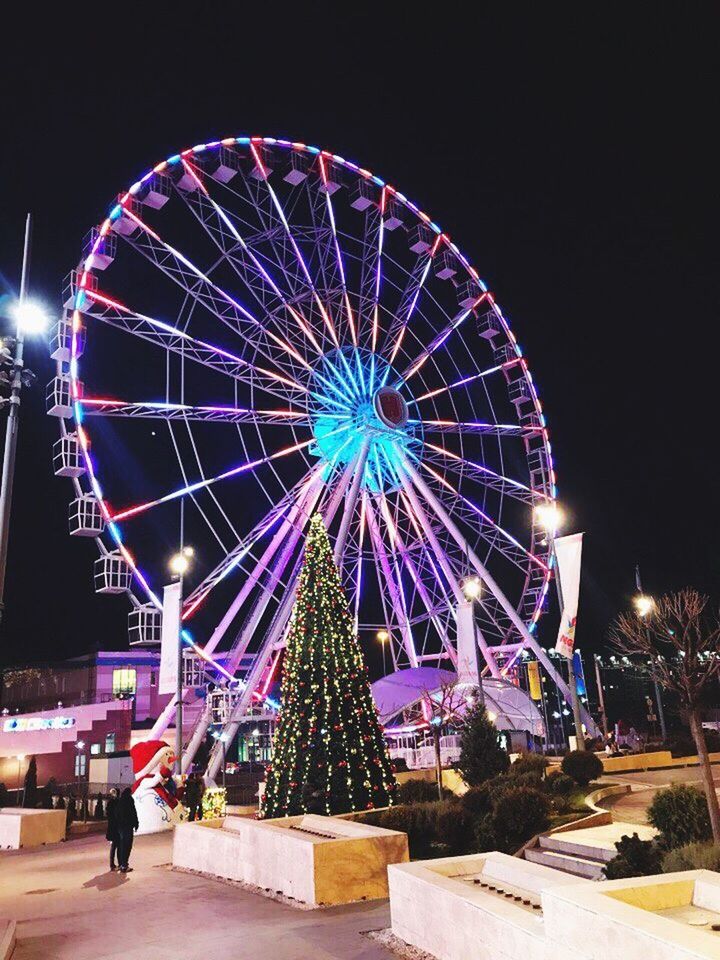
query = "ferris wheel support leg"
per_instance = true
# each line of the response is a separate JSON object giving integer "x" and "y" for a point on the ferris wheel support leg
{"x": 445, "y": 567}
{"x": 350, "y": 503}
{"x": 488, "y": 580}
{"x": 395, "y": 597}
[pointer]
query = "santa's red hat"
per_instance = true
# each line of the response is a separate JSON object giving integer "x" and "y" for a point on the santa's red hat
{"x": 144, "y": 756}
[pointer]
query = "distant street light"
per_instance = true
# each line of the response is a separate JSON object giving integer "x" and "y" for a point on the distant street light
{"x": 643, "y": 605}
{"x": 179, "y": 565}
{"x": 549, "y": 516}
{"x": 383, "y": 636}
{"x": 29, "y": 318}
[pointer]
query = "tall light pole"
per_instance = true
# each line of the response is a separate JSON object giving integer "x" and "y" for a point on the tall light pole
{"x": 383, "y": 636}
{"x": 20, "y": 758}
{"x": 550, "y": 517}
{"x": 472, "y": 588}
{"x": 644, "y": 607}
{"x": 29, "y": 318}
{"x": 179, "y": 566}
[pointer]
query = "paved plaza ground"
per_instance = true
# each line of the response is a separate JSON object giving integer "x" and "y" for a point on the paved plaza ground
{"x": 68, "y": 905}
{"x": 632, "y": 807}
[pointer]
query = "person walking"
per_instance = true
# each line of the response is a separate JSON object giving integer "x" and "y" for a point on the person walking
{"x": 111, "y": 833}
{"x": 194, "y": 791}
{"x": 127, "y": 823}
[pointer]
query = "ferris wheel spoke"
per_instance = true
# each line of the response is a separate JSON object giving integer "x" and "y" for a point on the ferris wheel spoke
{"x": 481, "y": 375}
{"x": 388, "y": 583}
{"x": 408, "y": 302}
{"x": 440, "y": 339}
{"x": 482, "y": 429}
{"x": 110, "y": 311}
{"x": 204, "y": 291}
{"x": 227, "y": 474}
{"x": 300, "y": 259}
{"x": 338, "y": 252}
{"x": 249, "y": 268}
{"x": 94, "y": 406}
{"x": 484, "y": 475}
{"x": 489, "y": 521}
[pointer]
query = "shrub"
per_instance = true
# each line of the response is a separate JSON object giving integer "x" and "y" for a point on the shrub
{"x": 4, "y": 795}
{"x": 635, "y": 858}
{"x": 681, "y": 815}
{"x": 519, "y": 813}
{"x": 484, "y": 835}
{"x": 582, "y": 765}
{"x": 399, "y": 764}
{"x": 453, "y": 827}
{"x": 417, "y": 820}
{"x": 534, "y": 763}
{"x": 693, "y": 856}
{"x": 477, "y": 802}
{"x": 417, "y": 791}
{"x": 559, "y": 784}
{"x": 481, "y": 756}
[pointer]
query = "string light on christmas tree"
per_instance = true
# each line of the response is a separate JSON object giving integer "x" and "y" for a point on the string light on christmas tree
{"x": 329, "y": 752}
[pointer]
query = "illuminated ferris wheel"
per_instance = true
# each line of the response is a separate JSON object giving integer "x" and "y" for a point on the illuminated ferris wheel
{"x": 261, "y": 330}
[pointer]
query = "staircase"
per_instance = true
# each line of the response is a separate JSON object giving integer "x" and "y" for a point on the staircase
{"x": 578, "y": 859}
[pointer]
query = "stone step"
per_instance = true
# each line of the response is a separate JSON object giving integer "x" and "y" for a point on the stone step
{"x": 586, "y": 851}
{"x": 577, "y": 866}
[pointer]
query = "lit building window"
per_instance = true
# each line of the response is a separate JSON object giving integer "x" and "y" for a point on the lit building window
{"x": 153, "y": 678}
{"x": 124, "y": 682}
{"x": 94, "y": 748}
{"x": 80, "y": 764}
{"x": 110, "y": 743}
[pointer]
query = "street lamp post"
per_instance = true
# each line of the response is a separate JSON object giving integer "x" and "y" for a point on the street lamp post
{"x": 29, "y": 318}
{"x": 20, "y": 758}
{"x": 80, "y": 746}
{"x": 179, "y": 566}
{"x": 472, "y": 588}
{"x": 383, "y": 636}
{"x": 644, "y": 606}
{"x": 550, "y": 517}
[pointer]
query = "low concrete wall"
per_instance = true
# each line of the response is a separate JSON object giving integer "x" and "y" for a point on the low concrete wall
{"x": 657, "y": 760}
{"x": 20, "y": 827}
{"x": 311, "y": 859}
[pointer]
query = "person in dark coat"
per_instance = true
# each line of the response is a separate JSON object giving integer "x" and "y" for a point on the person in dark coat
{"x": 111, "y": 833}
{"x": 127, "y": 823}
{"x": 194, "y": 792}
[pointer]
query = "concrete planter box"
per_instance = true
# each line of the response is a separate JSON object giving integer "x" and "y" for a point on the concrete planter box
{"x": 494, "y": 907}
{"x": 30, "y": 828}
{"x": 312, "y": 859}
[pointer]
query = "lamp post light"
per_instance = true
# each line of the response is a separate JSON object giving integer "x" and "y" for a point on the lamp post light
{"x": 644, "y": 607}
{"x": 179, "y": 565}
{"x": 472, "y": 589}
{"x": 550, "y": 517}
{"x": 383, "y": 636}
{"x": 80, "y": 746}
{"x": 30, "y": 319}
{"x": 20, "y": 758}
{"x": 222, "y": 737}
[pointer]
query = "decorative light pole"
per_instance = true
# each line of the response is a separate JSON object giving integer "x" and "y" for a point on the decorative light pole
{"x": 179, "y": 566}
{"x": 550, "y": 517}
{"x": 472, "y": 588}
{"x": 644, "y": 607}
{"x": 383, "y": 636}
{"x": 20, "y": 758}
{"x": 222, "y": 737}
{"x": 30, "y": 318}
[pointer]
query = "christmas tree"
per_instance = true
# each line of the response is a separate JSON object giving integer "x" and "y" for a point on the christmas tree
{"x": 329, "y": 752}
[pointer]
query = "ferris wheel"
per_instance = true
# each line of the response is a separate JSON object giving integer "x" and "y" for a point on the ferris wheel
{"x": 261, "y": 330}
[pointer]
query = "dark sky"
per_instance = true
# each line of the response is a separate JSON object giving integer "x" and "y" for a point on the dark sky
{"x": 572, "y": 157}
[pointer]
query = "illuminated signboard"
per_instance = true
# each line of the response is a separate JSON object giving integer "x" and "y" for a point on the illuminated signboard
{"x": 30, "y": 724}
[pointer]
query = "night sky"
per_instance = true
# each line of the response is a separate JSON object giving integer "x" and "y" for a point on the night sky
{"x": 572, "y": 158}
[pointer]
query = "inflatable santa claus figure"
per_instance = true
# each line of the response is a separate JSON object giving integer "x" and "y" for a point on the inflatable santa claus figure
{"x": 157, "y": 808}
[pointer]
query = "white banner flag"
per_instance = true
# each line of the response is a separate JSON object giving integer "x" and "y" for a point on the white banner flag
{"x": 167, "y": 682}
{"x": 568, "y": 551}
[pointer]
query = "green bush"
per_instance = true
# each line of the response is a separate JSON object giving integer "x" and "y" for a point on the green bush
{"x": 582, "y": 765}
{"x": 519, "y": 813}
{"x": 534, "y": 763}
{"x": 559, "y": 784}
{"x": 418, "y": 821}
{"x": 481, "y": 756}
{"x": 417, "y": 791}
{"x": 4, "y": 795}
{"x": 681, "y": 816}
{"x": 693, "y": 856}
{"x": 477, "y": 802}
{"x": 635, "y": 858}
{"x": 484, "y": 835}
{"x": 399, "y": 764}
{"x": 453, "y": 827}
